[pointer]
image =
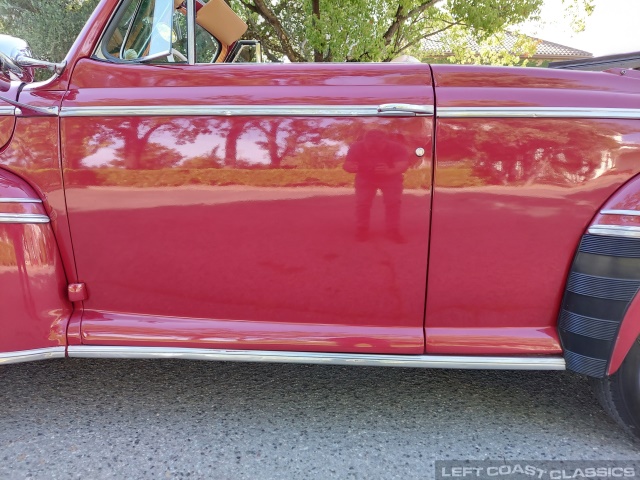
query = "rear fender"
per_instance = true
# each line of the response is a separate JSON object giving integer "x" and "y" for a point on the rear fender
{"x": 34, "y": 308}
{"x": 600, "y": 316}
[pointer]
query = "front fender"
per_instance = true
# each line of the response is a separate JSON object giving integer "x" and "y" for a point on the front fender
{"x": 34, "y": 309}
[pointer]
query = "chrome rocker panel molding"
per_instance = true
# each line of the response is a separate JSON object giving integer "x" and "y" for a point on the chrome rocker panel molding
{"x": 316, "y": 358}
{"x": 387, "y": 110}
{"x": 32, "y": 355}
{"x": 23, "y": 218}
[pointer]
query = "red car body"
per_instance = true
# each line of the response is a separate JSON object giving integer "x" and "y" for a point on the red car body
{"x": 204, "y": 211}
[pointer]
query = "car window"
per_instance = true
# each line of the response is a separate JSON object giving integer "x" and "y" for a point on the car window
{"x": 207, "y": 47}
{"x": 132, "y": 36}
{"x": 113, "y": 45}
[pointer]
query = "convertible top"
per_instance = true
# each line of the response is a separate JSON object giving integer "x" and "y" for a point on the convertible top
{"x": 621, "y": 60}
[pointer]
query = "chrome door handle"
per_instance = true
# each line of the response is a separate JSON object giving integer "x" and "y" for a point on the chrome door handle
{"x": 404, "y": 109}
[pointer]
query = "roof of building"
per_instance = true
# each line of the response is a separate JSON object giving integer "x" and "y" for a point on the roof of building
{"x": 439, "y": 45}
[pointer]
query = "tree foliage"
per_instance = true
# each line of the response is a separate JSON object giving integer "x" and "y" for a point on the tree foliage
{"x": 322, "y": 30}
{"x": 50, "y": 27}
{"x": 379, "y": 30}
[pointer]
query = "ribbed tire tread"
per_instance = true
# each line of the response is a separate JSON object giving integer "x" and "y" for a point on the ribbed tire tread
{"x": 603, "y": 391}
{"x": 610, "y": 392}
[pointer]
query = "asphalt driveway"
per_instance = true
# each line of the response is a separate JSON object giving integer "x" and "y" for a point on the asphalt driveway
{"x": 180, "y": 419}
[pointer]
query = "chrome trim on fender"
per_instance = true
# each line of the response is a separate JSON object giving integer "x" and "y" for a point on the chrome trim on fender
{"x": 7, "y": 111}
{"x": 367, "y": 360}
{"x": 19, "y": 108}
{"x": 23, "y": 218}
{"x": 626, "y": 213}
{"x": 31, "y": 355}
{"x": 615, "y": 230}
{"x": 20, "y": 200}
{"x": 250, "y": 111}
{"x": 536, "y": 112}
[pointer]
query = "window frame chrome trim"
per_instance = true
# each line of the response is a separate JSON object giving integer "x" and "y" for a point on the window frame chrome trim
{"x": 615, "y": 231}
{"x": 22, "y": 356}
{"x": 24, "y": 218}
{"x": 243, "y": 110}
{"x": 20, "y": 200}
{"x": 318, "y": 358}
{"x": 191, "y": 32}
{"x": 537, "y": 112}
{"x": 624, "y": 213}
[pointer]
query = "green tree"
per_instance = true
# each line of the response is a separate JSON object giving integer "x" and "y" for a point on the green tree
{"x": 379, "y": 30}
{"x": 50, "y": 27}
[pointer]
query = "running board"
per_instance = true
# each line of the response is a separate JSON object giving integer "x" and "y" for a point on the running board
{"x": 359, "y": 359}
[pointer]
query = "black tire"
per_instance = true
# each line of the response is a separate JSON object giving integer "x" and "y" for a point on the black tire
{"x": 619, "y": 394}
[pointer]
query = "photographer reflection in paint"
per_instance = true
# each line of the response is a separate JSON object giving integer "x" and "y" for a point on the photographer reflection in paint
{"x": 379, "y": 161}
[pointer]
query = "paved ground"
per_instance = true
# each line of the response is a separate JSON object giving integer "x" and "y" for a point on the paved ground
{"x": 178, "y": 419}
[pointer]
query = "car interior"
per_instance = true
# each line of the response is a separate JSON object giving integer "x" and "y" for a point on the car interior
{"x": 156, "y": 32}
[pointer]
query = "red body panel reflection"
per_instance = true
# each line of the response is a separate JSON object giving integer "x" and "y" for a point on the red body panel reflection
{"x": 188, "y": 230}
{"x": 512, "y": 198}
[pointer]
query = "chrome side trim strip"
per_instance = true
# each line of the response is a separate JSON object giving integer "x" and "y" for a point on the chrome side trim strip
{"x": 23, "y": 218}
{"x": 248, "y": 110}
{"x": 615, "y": 230}
{"x": 7, "y": 111}
{"x": 628, "y": 213}
{"x": 32, "y": 355}
{"x": 536, "y": 112}
{"x": 46, "y": 111}
{"x": 392, "y": 109}
{"x": 367, "y": 360}
{"x": 20, "y": 200}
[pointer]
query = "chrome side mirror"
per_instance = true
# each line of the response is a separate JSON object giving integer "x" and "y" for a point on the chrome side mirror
{"x": 17, "y": 62}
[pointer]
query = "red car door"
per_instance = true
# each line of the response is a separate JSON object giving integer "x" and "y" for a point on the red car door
{"x": 221, "y": 205}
